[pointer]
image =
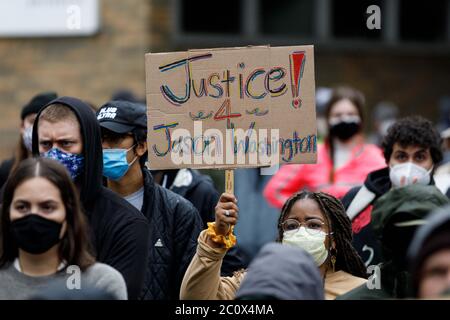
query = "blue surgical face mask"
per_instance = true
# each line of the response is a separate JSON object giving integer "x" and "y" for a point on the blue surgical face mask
{"x": 74, "y": 163}
{"x": 115, "y": 164}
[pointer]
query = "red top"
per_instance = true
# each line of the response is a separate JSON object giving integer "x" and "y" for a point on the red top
{"x": 316, "y": 177}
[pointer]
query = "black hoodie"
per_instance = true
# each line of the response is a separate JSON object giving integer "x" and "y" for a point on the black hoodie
{"x": 119, "y": 232}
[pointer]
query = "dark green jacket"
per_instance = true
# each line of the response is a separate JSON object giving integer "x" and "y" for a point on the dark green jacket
{"x": 408, "y": 204}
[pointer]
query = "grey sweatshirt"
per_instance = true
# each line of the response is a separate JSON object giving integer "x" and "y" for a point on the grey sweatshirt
{"x": 99, "y": 281}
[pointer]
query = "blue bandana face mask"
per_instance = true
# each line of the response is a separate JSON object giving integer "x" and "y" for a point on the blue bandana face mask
{"x": 74, "y": 163}
{"x": 115, "y": 164}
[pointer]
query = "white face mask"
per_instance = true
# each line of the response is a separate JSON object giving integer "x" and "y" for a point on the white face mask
{"x": 313, "y": 244}
{"x": 384, "y": 126}
{"x": 411, "y": 172}
{"x": 28, "y": 137}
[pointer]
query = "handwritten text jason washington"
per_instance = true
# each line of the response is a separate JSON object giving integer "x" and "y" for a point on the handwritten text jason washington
{"x": 239, "y": 147}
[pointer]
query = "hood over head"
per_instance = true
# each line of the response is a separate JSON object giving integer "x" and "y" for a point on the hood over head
{"x": 398, "y": 213}
{"x": 429, "y": 239}
{"x": 282, "y": 272}
{"x": 90, "y": 181}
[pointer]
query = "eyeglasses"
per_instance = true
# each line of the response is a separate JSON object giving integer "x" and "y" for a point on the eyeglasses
{"x": 312, "y": 226}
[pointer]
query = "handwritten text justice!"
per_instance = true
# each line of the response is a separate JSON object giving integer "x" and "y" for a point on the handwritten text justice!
{"x": 251, "y": 83}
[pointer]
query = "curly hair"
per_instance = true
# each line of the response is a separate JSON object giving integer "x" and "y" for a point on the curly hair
{"x": 413, "y": 131}
{"x": 347, "y": 259}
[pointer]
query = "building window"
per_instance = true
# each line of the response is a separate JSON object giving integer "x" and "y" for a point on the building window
{"x": 405, "y": 24}
{"x": 424, "y": 21}
{"x": 211, "y": 17}
{"x": 287, "y": 17}
{"x": 349, "y": 19}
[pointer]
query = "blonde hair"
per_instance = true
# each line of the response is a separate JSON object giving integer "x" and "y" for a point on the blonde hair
{"x": 57, "y": 112}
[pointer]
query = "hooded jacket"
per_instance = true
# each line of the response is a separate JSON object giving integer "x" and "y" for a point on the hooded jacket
{"x": 359, "y": 203}
{"x": 119, "y": 232}
{"x": 174, "y": 227}
{"x": 199, "y": 189}
{"x": 284, "y": 273}
{"x": 408, "y": 206}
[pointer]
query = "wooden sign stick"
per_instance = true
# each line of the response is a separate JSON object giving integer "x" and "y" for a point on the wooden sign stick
{"x": 229, "y": 181}
{"x": 229, "y": 188}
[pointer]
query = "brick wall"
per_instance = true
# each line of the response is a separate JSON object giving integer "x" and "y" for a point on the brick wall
{"x": 87, "y": 67}
{"x": 92, "y": 68}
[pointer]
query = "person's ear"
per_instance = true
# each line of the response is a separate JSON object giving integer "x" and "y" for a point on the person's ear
{"x": 141, "y": 148}
{"x": 331, "y": 243}
{"x": 22, "y": 127}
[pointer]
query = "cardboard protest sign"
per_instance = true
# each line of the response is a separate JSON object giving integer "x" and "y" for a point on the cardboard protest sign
{"x": 231, "y": 107}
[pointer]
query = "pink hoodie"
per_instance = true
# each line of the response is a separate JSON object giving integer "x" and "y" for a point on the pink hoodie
{"x": 316, "y": 177}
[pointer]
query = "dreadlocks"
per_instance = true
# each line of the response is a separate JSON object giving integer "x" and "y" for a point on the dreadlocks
{"x": 347, "y": 259}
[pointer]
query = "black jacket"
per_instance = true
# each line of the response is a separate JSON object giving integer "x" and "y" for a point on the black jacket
{"x": 174, "y": 229}
{"x": 199, "y": 189}
{"x": 5, "y": 169}
{"x": 201, "y": 192}
{"x": 119, "y": 232}
{"x": 364, "y": 241}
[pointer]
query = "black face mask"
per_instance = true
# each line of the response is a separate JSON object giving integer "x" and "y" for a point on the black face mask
{"x": 344, "y": 130}
{"x": 35, "y": 234}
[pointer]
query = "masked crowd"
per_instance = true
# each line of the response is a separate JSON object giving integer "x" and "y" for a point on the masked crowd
{"x": 83, "y": 216}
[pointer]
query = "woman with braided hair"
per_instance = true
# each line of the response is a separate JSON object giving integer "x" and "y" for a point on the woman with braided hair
{"x": 326, "y": 216}
{"x": 314, "y": 221}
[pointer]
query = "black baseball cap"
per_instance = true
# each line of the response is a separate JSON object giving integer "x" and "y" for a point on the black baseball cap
{"x": 122, "y": 116}
{"x": 37, "y": 102}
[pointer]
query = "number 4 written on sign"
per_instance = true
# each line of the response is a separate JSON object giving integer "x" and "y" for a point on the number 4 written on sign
{"x": 224, "y": 112}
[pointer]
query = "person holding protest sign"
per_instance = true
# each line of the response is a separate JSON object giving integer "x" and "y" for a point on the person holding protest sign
{"x": 199, "y": 189}
{"x": 66, "y": 130}
{"x": 344, "y": 160}
{"x": 44, "y": 236}
{"x": 23, "y": 148}
{"x": 315, "y": 222}
{"x": 174, "y": 222}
